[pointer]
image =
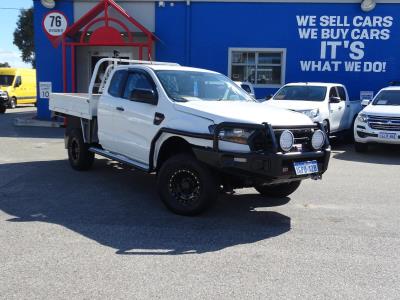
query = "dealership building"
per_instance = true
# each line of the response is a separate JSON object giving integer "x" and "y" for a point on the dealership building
{"x": 268, "y": 43}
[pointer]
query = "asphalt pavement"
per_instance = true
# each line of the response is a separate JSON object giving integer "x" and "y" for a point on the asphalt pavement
{"x": 104, "y": 234}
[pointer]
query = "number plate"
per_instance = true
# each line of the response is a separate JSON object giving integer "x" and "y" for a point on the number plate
{"x": 387, "y": 135}
{"x": 307, "y": 167}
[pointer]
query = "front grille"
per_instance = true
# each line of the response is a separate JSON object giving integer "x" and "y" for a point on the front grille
{"x": 384, "y": 123}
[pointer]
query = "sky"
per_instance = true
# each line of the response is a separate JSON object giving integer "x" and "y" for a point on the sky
{"x": 8, "y": 19}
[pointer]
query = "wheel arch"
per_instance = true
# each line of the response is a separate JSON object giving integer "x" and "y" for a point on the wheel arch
{"x": 171, "y": 146}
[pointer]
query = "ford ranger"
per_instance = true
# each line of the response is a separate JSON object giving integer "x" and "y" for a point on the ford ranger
{"x": 196, "y": 129}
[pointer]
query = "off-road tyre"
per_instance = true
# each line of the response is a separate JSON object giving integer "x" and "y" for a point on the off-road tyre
{"x": 280, "y": 190}
{"x": 360, "y": 147}
{"x": 79, "y": 156}
{"x": 186, "y": 186}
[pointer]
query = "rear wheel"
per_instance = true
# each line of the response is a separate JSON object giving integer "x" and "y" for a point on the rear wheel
{"x": 360, "y": 147}
{"x": 13, "y": 103}
{"x": 79, "y": 155}
{"x": 186, "y": 186}
{"x": 278, "y": 190}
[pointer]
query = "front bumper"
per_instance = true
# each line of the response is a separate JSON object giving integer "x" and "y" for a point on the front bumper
{"x": 364, "y": 134}
{"x": 267, "y": 164}
{"x": 3, "y": 99}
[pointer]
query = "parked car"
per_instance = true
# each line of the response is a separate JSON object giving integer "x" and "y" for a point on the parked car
{"x": 17, "y": 86}
{"x": 379, "y": 121}
{"x": 196, "y": 129}
{"x": 327, "y": 103}
{"x": 248, "y": 87}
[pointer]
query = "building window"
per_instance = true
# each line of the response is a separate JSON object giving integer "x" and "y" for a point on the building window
{"x": 261, "y": 67}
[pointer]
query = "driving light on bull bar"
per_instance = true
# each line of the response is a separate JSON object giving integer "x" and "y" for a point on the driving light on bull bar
{"x": 318, "y": 140}
{"x": 286, "y": 140}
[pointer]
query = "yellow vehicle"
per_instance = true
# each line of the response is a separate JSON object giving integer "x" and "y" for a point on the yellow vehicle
{"x": 17, "y": 86}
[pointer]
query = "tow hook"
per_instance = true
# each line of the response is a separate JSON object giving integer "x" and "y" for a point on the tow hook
{"x": 316, "y": 176}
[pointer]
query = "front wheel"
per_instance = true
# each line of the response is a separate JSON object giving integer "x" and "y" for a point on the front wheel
{"x": 13, "y": 103}
{"x": 280, "y": 190}
{"x": 79, "y": 156}
{"x": 186, "y": 186}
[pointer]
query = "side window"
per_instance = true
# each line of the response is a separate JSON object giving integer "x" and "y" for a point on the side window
{"x": 342, "y": 93}
{"x": 137, "y": 81}
{"x": 333, "y": 92}
{"x": 18, "y": 81}
{"x": 117, "y": 83}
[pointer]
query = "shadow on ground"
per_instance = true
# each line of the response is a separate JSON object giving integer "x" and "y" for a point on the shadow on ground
{"x": 119, "y": 208}
{"x": 377, "y": 153}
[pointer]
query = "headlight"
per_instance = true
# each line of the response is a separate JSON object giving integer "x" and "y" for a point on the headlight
{"x": 312, "y": 113}
{"x": 233, "y": 135}
{"x": 4, "y": 95}
{"x": 318, "y": 140}
{"x": 363, "y": 118}
{"x": 286, "y": 140}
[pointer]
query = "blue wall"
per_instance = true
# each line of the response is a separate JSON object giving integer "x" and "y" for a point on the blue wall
{"x": 49, "y": 58}
{"x": 200, "y": 35}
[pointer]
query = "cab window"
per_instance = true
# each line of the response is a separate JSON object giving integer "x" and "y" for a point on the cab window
{"x": 333, "y": 93}
{"x": 140, "y": 87}
{"x": 18, "y": 81}
{"x": 342, "y": 93}
{"x": 117, "y": 83}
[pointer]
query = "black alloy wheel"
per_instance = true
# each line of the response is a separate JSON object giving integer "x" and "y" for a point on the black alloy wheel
{"x": 186, "y": 186}
{"x": 79, "y": 156}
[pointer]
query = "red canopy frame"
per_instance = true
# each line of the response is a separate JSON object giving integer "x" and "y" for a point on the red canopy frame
{"x": 105, "y": 35}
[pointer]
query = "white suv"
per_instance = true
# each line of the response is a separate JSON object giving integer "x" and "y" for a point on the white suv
{"x": 379, "y": 122}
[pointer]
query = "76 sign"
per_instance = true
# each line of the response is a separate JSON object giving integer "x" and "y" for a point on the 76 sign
{"x": 55, "y": 24}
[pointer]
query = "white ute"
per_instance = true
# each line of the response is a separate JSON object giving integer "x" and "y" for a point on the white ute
{"x": 196, "y": 129}
{"x": 326, "y": 103}
{"x": 379, "y": 121}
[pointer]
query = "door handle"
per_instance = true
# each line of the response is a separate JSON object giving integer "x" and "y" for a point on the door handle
{"x": 119, "y": 108}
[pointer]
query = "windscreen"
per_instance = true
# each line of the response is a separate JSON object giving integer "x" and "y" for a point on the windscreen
{"x": 200, "y": 86}
{"x": 301, "y": 93}
{"x": 387, "y": 98}
{"x": 6, "y": 80}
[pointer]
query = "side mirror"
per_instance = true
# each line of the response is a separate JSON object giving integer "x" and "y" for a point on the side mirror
{"x": 334, "y": 100}
{"x": 365, "y": 102}
{"x": 144, "y": 95}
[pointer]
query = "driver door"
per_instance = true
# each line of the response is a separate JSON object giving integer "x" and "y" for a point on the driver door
{"x": 336, "y": 110}
{"x": 133, "y": 117}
